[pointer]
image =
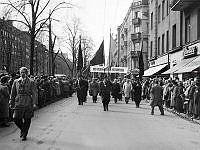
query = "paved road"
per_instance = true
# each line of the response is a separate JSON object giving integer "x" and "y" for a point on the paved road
{"x": 66, "y": 126}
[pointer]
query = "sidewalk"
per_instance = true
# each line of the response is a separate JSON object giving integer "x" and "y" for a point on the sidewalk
{"x": 181, "y": 115}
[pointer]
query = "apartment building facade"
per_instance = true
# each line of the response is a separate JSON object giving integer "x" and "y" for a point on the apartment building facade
{"x": 186, "y": 63}
{"x": 132, "y": 33}
{"x": 164, "y": 37}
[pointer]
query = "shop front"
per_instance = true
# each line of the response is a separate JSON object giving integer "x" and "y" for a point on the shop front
{"x": 157, "y": 67}
{"x": 188, "y": 65}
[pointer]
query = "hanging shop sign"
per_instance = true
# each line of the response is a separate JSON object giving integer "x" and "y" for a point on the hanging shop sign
{"x": 190, "y": 51}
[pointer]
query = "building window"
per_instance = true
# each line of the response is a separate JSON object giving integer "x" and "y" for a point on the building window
{"x": 163, "y": 9}
{"x": 151, "y": 49}
{"x": 174, "y": 36}
{"x": 158, "y": 46}
{"x": 159, "y": 14}
{"x": 167, "y": 8}
{"x": 167, "y": 42}
{"x": 163, "y": 43}
{"x": 151, "y": 20}
{"x": 198, "y": 26}
{"x": 187, "y": 29}
{"x": 137, "y": 29}
{"x": 137, "y": 14}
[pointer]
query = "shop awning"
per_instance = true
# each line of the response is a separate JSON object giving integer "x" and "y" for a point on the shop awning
{"x": 179, "y": 65}
{"x": 153, "y": 70}
{"x": 194, "y": 64}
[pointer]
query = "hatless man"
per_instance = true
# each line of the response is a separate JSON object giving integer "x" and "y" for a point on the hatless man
{"x": 23, "y": 100}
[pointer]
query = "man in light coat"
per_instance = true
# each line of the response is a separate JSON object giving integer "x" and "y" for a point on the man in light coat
{"x": 156, "y": 97}
{"x": 23, "y": 100}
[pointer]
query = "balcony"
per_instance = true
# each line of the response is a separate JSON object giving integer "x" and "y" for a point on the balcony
{"x": 179, "y": 5}
{"x": 136, "y": 21}
{"x": 135, "y": 36}
{"x": 135, "y": 54}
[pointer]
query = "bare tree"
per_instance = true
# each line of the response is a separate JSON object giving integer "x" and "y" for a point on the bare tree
{"x": 30, "y": 13}
{"x": 73, "y": 31}
{"x": 87, "y": 48}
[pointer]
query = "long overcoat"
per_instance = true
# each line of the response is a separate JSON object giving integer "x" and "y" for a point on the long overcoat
{"x": 156, "y": 95}
{"x": 197, "y": 101}
{"x": 23, "y": 95}
{"x": 4, "y": 100}
{"x": 82, "y": 88}
{"x": 105, "y": 91}
{"x": 94, "y": 88}
{"x": 116, "y": 90}
{"x": 127, "y": 88}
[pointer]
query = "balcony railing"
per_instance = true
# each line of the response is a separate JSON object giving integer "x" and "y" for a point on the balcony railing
{"x": 135, "y": 54}
{"x": 179, "y": 5}
{"x": 135, "y": 36}
{"x": 136, "y": 21}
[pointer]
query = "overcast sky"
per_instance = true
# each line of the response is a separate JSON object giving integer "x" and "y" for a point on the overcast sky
{"x": 97, "y": 17}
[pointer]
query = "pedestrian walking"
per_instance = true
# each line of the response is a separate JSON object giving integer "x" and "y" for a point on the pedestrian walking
{"x": 156, "y": 97}
{"x": 23, "y": 100}
{"x": 94, "y": 90}
{"x": 138, "y": 94}
{"x": 4, "y": 102}
{"x": 81, "y": 88}
{"x": 127, "y": 88}
{"x": 116, "y": 90}
{"x": 105, "y": 90}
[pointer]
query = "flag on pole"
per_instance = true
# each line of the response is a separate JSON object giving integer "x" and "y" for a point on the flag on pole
{"x": 80, "y": 58}
{"x": 141, "y": 62}
{"x": 112, "y": 49}
{"x": 99, "y": 57}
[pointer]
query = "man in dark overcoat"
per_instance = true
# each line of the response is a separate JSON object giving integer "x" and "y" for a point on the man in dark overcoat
{"x": 81, "y": 88}
{"x": 116, "y": 90}
{"x": 105, "y": 90}
{"x": 156, "y": 97}
{"x": 23, "y": 100}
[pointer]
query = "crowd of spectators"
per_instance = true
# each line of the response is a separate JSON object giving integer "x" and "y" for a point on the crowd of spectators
{"x": 49, "y": 89}
{"x": 179, "y": 96}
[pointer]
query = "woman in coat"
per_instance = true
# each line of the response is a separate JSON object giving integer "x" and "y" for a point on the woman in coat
{"x": 197, "y": 100}
{"x": 174, "y": 94}
{"x": 4, "y": 102}
{"x": 180, "y": 98}
{"x": 127, "y": 88}
{"x": 94, "y": 90}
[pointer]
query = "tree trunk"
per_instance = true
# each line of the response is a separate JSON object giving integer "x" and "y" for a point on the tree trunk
{"x": 32, "y": 55}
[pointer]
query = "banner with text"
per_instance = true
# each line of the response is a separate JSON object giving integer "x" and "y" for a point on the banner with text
{"x": 119, "y": 70}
